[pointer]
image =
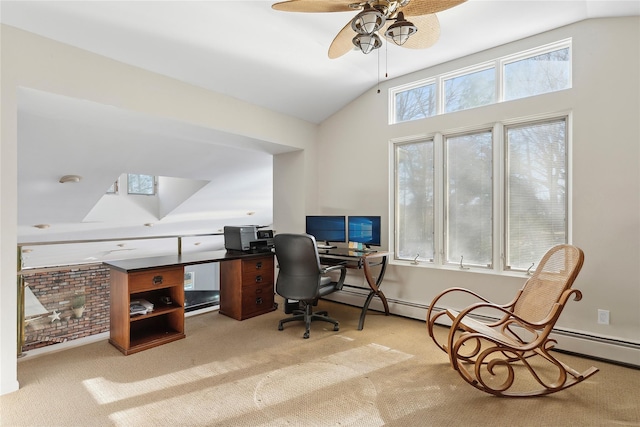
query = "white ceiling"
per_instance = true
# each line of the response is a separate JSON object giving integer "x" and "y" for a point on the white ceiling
{"x": 279, "y": 59}
{"x": 244, "y": 49}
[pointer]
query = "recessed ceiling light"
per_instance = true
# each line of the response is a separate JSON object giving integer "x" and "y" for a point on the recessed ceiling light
{"x": 70, "y": 178}
{"x": 42, "y": 226}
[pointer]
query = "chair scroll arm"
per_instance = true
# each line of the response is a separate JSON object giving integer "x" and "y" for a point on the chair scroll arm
{"x": 433, "y": 316}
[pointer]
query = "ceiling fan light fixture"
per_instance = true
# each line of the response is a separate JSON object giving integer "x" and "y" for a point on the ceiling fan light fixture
{"x": 368, "y": 21}
{"x": 401, "y": 30}
{"x": 367, "y": 42}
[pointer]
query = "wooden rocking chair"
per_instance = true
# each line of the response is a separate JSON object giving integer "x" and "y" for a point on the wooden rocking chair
{"x": 511, "y": 356}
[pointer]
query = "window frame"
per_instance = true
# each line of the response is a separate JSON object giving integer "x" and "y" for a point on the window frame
{"x": 498, "y": 64}
{"x": 155, "y": 185}
{"x": 477, "y": 68}
{"x": 530, "y": 53}
{"x": 406, "y": 88}
{"x": 532, "y": 121}
{"x": 499, "y": 188}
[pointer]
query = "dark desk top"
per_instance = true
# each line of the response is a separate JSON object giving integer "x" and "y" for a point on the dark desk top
{"x": 137, "y": 264}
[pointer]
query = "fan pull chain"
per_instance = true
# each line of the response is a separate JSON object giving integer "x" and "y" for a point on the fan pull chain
{"x": 386, "y": 64}
{"x": 378, "y": 73}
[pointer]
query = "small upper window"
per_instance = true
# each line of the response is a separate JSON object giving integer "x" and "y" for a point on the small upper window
{"x": 533, "y": 72}
{"x": 113, "y": 189}
{"x": 141, "y": 184}
{"x": 415, "y": 103}
{"x": 537, "y": 74}
{"x": 470, "y": 90}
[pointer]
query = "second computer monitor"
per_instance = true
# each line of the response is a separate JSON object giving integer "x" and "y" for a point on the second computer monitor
{"x": 364, "y": 229}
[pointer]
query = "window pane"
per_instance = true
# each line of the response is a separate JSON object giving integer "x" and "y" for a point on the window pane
{"x": 469, "y": 198}
{"x": 536, "y": 191}
{"x": 140, "y": 184}
{"x": 113, "y": 189}
{"x": 548, "y": 72}
{"x": 470, "y": 90}
{"x": 414, "y": 200}
{"x": 416, "y": 103}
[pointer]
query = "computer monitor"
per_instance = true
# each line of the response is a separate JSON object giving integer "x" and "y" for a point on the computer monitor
{"x": 327, "y": 228}
{"x": 365, "y": 230}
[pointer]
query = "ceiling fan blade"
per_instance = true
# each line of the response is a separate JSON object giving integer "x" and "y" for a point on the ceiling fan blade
{"x": 342, "y": 43}
{"x": 315, "y": 6}
{"x": 427, "y": 35}
{"x": 427, "y": 7}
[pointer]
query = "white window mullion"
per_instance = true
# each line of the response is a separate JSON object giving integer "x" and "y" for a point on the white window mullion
{"x": 438, "y": 238}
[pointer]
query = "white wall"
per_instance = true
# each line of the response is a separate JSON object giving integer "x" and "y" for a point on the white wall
{"x": 604, "y": 103}
{"x": 35, "y": 62}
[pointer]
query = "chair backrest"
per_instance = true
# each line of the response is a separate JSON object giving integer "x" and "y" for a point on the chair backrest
{"x": 556, "y": 272}
{"x": 299, "y": 264}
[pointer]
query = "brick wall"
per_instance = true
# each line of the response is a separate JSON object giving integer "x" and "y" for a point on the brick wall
{"x": 55, "y": 291}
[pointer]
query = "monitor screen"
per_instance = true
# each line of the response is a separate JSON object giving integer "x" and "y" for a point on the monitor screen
{"x": 327, "y": 228}
{"x": 365, "y": 230}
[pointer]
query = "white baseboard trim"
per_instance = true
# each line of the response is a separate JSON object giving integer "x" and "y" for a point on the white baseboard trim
{"x": 580, "y": 343}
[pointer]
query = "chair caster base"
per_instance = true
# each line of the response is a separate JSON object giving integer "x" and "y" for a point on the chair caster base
{"x": 306, "y": 335}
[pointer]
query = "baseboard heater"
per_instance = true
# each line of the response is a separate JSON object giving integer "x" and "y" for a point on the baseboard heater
{"x": 607, "y": 349}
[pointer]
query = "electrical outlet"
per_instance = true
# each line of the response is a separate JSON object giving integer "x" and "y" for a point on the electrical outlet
{"x": 603, "y": 317}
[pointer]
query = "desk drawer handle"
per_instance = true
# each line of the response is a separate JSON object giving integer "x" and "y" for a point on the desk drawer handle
{"x": 157, "y": 280}
{"x": 258, "y": 265}
{"x": 258, "y": 301}
{"x": 258, "y": 279}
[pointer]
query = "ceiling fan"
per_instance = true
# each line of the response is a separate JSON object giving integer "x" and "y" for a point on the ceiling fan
{"x": 387, "y": 17}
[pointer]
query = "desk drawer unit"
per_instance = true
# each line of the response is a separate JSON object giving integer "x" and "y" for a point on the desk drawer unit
{"x": 246, "y": 287}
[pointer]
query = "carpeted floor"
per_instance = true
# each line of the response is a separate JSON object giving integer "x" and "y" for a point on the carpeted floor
{"x": 230, "y": 373}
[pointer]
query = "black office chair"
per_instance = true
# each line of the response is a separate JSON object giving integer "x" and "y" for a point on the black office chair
{"x": 302, "y": 278}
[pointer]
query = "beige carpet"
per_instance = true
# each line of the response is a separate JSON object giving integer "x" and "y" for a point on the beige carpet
{"x": 230, "y": 373}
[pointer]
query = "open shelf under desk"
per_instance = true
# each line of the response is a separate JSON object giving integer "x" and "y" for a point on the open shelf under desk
{"x": 157, "y": 311}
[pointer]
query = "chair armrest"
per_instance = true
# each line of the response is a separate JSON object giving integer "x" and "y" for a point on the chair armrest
{"x": 339, "y": 266}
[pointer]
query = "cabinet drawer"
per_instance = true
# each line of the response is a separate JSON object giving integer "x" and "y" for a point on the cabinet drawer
{"x": 251, "y": 266}
{"x": 256, "y": 272}
{"x": 155, "y": 279}
{"x": 257, "y": 299}
{"x": 257, "y": 278}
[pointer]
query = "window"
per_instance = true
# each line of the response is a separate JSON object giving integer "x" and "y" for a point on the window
{"x": 113, "y": 189}
{"x": 536, "y": 190}
{"x": 470, "y": 90}
{"x": 141, "y": 184}
{"x": 534, "y": 72}
{"x": 469, "y": 198}
{"x": 415, "y": 200}
{"x": 451, "y": 209}
{"x": 537, "y": 74}
{"x": 415, "y": 103}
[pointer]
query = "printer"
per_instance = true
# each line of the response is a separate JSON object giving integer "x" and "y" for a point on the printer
{"x": 239, "y": 238}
